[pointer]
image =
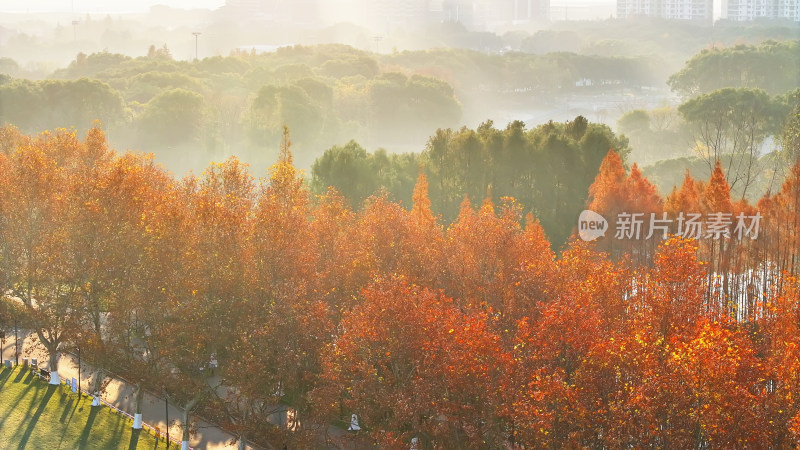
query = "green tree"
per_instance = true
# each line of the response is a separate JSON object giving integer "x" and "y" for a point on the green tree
{"x": 60, "y": 103}
{"x": 791, "y": 136}
{"x": 278, "y": 106}
{"x": 732, "y": 122}
{"x": 348, "y": 169}
{"x": 357, "y": 174}
{"x": 91, "y": 65}
{"x": 771, "y": 66}
{"x": 171, "y": 118}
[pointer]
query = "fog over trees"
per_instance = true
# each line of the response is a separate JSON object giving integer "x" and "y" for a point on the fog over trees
{"x": 384, "y": 223}
{"x": 387, "y": 88}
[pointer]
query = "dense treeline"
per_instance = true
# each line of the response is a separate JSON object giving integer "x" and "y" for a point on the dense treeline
{"x": 674, "y": 41}
{"x": 331, "y": 94}
{"x": 544, "y": 75}
{"x": 743, "y": 127}
{"x": 472, "y": 335}
{"x": 193, "y": 112}
{"x": 328, "y": 94}
{"x": 547, "y": 169}
{"x": 37, "y": 43}
{"x": 771, "y": 66}
{"x": 734, "y": 100}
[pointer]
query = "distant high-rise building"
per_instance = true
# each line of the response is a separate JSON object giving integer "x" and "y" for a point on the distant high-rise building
{"x": 697, "y": 10}
{"x": 788, "y": 9}
{"x": 694, "y": 10}
{"x": 638, "y": 8}
{"x": 747, "y": 10}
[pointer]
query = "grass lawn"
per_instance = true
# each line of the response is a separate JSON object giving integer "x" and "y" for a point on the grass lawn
{"x": 35, "y": 415}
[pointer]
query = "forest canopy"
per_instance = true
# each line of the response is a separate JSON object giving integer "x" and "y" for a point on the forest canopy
{"x": 474, "y": 331}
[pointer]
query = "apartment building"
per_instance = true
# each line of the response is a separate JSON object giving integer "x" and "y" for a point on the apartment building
{"x": 694, "y": 10}
{"x": 703, "y": 10}
{"x": 748, "y": 10}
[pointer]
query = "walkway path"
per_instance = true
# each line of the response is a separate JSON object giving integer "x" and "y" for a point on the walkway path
{"x": 121, "y": 395}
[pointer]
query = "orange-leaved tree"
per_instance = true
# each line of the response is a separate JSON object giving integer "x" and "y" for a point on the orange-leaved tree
{"x": 409, "y": 363}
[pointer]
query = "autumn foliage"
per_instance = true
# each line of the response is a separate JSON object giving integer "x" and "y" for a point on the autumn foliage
{"x": 472, "y": 334}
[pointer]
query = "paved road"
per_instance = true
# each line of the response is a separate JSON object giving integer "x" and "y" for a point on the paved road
{"x": 121, "y": 395}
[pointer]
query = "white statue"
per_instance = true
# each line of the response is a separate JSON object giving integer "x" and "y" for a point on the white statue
{"x": 354, "y": 423}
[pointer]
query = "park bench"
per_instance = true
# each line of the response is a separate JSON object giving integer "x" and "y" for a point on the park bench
{"x": 43, "y": 374}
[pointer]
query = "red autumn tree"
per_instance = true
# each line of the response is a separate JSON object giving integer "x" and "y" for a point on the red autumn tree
{"x": 684, "y": 200}
{"x": 606, "y": 194}
{"x": 410, "y": 364}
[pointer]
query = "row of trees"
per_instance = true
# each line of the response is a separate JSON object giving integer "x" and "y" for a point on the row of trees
{"x": 743, "y": 127}
{"x": 332, "y": 93}
{"x": 472, "y": 335}
{"x": 771, "y": 66}
{"x": 197, "y": 111}
{"x": 738, "y": 101}
{"x": 547, "y": 169}
{"x": 327, "y": 93}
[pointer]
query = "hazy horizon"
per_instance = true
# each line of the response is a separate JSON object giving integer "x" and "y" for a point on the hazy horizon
{"x": 88, "y": 6}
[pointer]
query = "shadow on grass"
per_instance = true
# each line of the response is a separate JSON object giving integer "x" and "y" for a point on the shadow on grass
{"x": 4, "y": 376}
{"x": 87, "y": 429}
{"x": 69, "y": 409}
{"x": 21, "y": 374}
{"x": 17, "y": 401}
{"x": 134, "y": 439}
{"x": 118, "y": 430}
{"x": 35, "y": 418}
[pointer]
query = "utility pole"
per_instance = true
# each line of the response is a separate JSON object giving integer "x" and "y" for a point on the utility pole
{"x": 196, "y": 34}
{"x": 166, "y": 411}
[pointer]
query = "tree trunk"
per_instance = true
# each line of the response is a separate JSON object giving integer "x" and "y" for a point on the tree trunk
{"x": 53, "y": 366}
{"x": 97, "y": 386}
{"x": 242, "y": 444}
{"x": 137, "y": 408}
{"x": 185, "y": 419}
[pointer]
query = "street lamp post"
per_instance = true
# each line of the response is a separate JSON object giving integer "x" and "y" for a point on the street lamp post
{"x": 2, "y": 341}
{"x": 79, "y": 371}
{"x": 196, "y": 34}
{"x": 166, "y": 411}
{"x": 16, "y": 343}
